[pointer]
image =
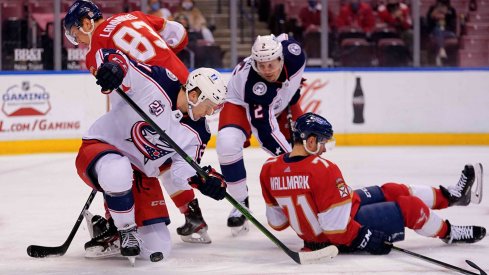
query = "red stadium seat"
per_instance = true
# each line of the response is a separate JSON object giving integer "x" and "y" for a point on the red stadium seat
{"x": 356, "y": 52}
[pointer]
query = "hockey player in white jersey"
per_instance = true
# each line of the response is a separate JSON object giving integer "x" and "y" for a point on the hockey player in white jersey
{"x": 122, "y": 156}
{"x": 262, "y": 91}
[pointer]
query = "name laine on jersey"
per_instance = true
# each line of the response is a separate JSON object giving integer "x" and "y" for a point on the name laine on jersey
{"x": 289, "y": 182}
{"x": 114, "y": 22}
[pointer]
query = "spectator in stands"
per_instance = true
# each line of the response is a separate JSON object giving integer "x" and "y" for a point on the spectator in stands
{"x": 396, "y": 15}
{"x": 195, "y": 18}
{"x": 356, "y": 13}
{"x": 310, "y": 17}
{"x": 156, "y": 9}
{"x": 195, "y": 37}
{"x": 442, "y": 24}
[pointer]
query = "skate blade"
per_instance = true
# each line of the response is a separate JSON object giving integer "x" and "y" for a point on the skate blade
{"x": 97, "y": 252}
{"x": 476, "y": 194}
{"x": 200, "y": 236}
{"x": 132, "y": 260}
{"x": 240, "y": 230}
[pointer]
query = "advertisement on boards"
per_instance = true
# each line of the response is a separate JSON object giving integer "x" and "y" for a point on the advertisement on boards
{"x": 48, "y": 106}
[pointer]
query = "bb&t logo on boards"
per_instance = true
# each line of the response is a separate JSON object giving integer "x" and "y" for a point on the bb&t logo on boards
{"x": 25, "y": 100}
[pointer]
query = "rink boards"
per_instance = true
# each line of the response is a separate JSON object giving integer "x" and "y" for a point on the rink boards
{"x": 49, "y": 112}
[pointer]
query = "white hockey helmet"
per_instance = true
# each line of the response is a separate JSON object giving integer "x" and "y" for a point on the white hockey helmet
{"x": 210, "y": 84}
{"x": 266, "y": 48}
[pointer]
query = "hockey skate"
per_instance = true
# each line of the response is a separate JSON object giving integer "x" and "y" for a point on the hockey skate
{"x": 465, "y": 191}
{"x": 104, "y": 236}
{"x": 464, "y": 234}
{"x": 130, "y": 243}
{"x": 237, "y": 222}
{"x": 195, "y": 229}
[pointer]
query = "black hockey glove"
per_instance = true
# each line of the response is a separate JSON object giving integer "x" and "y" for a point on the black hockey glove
{"x": 372, "y": 241}
{"x": 109, "y": 76}
{"x": 214, "y": 186}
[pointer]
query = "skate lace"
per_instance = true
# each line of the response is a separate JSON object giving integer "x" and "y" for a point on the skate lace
{"x": 131, "y": 239}
{"x": 457, "y": 189}
{"x": 461, "y": 233}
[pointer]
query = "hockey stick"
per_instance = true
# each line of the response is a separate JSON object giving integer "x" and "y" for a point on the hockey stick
{"x": 291, "y": 125}
{"x": 440, "y": 263}
{"x": 299, "y": 257}
{"x": 38, "y": 251}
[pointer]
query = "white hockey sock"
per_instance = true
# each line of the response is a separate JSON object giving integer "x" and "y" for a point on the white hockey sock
{"x": 425, "y": 193}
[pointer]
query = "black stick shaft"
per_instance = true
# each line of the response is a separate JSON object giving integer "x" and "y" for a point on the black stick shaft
{"x": 431, "y": 260}
{"x": 202, "y": 173}
{"x": 38, "y": 251}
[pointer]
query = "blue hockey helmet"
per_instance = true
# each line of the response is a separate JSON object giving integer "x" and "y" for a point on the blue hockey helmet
{"x": 79, "y": 10}
{"x": 312, "y": 124}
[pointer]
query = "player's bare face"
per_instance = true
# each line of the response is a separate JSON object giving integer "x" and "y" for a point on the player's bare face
{"x": 269, "y": 70}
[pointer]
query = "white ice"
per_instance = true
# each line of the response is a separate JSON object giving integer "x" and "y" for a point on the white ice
{"x": 41, "y": 197}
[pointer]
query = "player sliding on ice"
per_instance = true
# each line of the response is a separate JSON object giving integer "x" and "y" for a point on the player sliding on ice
{"x": 122, "y": 155}
{"x": 309, "y": 193}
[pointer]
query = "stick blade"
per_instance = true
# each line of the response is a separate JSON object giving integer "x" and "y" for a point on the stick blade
{"x": 319, "y": 256}
{"x": 37, "y": 251}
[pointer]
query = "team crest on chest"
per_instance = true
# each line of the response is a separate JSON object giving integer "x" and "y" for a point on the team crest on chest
{"x": 259, "y": 88}
{"x": 171, "y": 75}
{"x": 294, "y": 49}
{"x": 148, "y": 142}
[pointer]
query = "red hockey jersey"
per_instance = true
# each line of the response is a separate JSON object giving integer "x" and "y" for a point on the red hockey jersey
{"x": 148, "y": 39}
{"x": 309, "y": 194}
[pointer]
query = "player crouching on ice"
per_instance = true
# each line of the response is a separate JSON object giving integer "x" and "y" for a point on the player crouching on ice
{"x": 122, "y": 155}
{"x": 309, "y": 193}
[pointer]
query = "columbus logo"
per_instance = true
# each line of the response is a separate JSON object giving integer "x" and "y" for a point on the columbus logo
{"x": 26, "y": 100}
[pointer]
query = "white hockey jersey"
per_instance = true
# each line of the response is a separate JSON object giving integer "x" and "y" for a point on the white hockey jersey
{"x": 154, "y": 89}
{"x": 264, "y": 100}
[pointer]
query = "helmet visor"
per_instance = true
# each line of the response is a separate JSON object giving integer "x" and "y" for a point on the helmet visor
{"x": 329, "y": 144}
{"x": 210, "y": 107}
{"x": 70, "y": 36}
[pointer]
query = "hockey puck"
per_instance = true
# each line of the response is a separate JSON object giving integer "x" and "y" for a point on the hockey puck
{"x": 156, "y": 257}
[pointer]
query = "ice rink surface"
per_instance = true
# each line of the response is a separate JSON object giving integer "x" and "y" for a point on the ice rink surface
{"x": 41, "y": 197}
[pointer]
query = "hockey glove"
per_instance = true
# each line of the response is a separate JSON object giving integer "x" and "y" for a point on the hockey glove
{"x": 372, "y": 241}
{"x": 109, "y": 76}
{"x": 214, "y": 186}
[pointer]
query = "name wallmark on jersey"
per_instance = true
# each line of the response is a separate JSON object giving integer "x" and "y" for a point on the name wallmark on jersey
{"x": 289, "y": 182}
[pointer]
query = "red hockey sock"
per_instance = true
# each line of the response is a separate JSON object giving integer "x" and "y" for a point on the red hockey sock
{"x": 441, "y": 201}
{"x": 392, "y": 191}
{"x": 181, "y": 199}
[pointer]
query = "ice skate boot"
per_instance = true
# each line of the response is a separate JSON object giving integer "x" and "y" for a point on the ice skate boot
{"x": 237, "y": 221}
{"x": 104, "y": 237}
{"x": 130, "y": 243}
{"x": 464, "y": 233}
{"x": 463, "y": 192}
{"x": 195, "y": 229}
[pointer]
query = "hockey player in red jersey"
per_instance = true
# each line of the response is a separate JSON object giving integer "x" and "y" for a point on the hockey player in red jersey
{"x": 146, "y": 39}
{"x": 262, "y": 90}
{"x": 122, "y": 155}
{"x": 308, "y": 193}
